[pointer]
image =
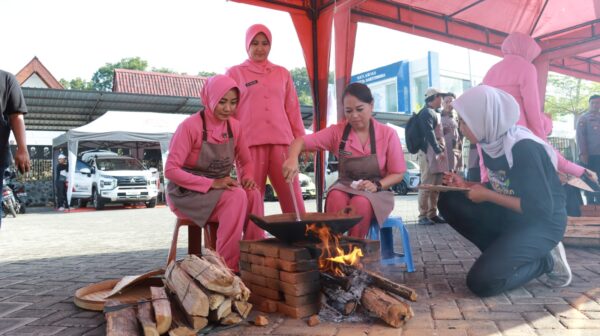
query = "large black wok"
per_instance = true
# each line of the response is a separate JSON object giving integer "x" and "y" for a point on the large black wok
{"x": 286, "y": 228}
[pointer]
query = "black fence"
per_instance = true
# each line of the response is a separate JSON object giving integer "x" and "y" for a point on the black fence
{"x": 41, "y": 163}
{"x": 566, "y": 147}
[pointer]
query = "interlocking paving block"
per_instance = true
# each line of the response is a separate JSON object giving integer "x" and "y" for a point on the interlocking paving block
{"x": 11, "y": 323}
{"x": 9, "y": 307}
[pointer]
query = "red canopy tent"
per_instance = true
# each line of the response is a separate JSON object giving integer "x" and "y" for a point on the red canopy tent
{"x": 567, "y": 31}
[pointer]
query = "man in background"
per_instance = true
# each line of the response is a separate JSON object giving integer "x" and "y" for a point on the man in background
{"x": 12, "y": 109}
{"x": 432, "y": 157}
{"x": 588, "y": 140}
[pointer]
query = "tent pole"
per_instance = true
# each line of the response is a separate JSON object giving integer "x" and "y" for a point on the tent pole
{"x": 319, "y": 163}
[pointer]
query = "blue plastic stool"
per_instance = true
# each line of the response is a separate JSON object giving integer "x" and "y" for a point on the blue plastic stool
{"x": 388, "y": 256}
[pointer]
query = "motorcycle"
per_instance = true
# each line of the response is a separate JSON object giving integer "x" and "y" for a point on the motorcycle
{"x": 12, "y": 200}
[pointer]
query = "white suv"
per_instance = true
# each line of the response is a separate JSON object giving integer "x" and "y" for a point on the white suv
{"x": 104, "y": 176}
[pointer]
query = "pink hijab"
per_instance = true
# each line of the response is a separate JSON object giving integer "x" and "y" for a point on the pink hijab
{"x": 520, "y": 44}
{"x": 213, "y": 90}
{"x": 260, "y": 67}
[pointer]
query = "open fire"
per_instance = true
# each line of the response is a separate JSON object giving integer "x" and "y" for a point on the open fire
{"x": 332, "y": 255}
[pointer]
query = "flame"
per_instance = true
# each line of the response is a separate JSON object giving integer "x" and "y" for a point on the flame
{"x": 332, "y": 255}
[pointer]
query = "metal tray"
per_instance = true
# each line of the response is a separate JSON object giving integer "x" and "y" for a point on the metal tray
{"x": 285, "y": 227}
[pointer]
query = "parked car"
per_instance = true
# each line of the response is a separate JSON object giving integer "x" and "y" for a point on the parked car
{"x": 309, "y": 190}
{"x": 410, "y": 182}
{"x": 411, "y": 179}
{"x": 104, "y": 176}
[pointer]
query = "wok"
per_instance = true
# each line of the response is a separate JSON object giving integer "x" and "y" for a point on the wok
{"x": 285, "y": 227}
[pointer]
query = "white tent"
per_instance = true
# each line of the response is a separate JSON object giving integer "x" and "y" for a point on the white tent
{"x": 121, "y": 126}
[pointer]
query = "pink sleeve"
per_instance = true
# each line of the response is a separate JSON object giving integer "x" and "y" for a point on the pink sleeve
{"x": 179, "y": 149}
{"x": 292, "y": 107}
{"x": 568, "y": 167}
{"x": 394, "y": 161}
{"x": 531, "y": 101}
{"x": 325, "y": 139}
{"x": 243, "y": 158}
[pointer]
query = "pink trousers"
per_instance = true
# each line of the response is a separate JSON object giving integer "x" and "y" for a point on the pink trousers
{"x": 337, "y": 200}
{"x": 231, "y": 212}
{"x": 268, "y": 161}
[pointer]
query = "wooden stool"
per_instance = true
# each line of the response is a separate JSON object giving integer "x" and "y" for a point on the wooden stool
{"x": 194, "y": 238}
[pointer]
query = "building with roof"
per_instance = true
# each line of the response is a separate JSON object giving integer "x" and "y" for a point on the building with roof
{"x": 157, "y": 83}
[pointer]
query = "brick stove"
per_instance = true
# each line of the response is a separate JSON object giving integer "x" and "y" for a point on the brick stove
{"x": 285, "y": 278}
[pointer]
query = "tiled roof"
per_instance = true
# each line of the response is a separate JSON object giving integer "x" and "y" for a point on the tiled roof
{"x": 156, "y": 83}
{"x": 36, "y": 67}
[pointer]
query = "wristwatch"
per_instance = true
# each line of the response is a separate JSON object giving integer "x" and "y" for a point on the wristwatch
{"x": 379, "y": 186}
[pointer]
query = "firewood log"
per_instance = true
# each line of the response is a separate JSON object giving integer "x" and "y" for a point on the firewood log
{"x": 222, "y": 311}
{"x": 192, "y": 298}
{"x": 390, "y": 286}
{"x": 393, "y": 311}
{"x": 180, "y": 325}
{"x": 145, "y": 315}
{"x": 162, "y": 309}
{"x": 232, "y": 318}
{"x": 209, "y": 275}
{"x": 242, "y": 307}
{"x": 215, "y": 300}
{"x": 120, "y": 321}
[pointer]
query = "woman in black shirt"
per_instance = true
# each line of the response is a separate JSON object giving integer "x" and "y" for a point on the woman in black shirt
{"x": 518, "y": 218}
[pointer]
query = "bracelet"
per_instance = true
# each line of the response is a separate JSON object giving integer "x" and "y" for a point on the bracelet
{"x": 379, "y": 186}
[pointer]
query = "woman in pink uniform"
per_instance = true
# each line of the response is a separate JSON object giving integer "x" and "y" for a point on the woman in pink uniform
{"x": 269, "y": 114}
{"x": 201, "y": 156}
{"x": 516, "y": 75}
{"x": 370, "y": 160}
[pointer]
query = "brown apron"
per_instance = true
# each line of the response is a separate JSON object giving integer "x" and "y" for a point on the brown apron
{"x": 214, "y": 161}
{"x": 363, "y": 168}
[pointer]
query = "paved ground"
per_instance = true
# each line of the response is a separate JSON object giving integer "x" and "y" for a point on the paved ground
{"x": 45, "y": 256}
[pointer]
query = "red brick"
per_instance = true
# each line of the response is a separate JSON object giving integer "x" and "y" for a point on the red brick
{"x": 298, "y": 277}
{"x": 263, "y": 304}
{"x": 300, "y": 266}
{"x": 300, "y": 289}
{"x": 266, "y": 247}
{"x": 246, "y": 266}
{"x": 297, "y": 301}
{"x": 264, "y": 292}
{"x": 266, "y": 271}
{"x": 294, "y": 254}
{"x": 249, "y": 277}
{"x": 244, "y": 257}
{"x": 245, "y": 245}
{"x": 297, "y": 312}
{"x": 256, "y": 259}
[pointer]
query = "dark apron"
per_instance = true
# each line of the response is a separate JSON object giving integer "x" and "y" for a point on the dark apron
{"x": 363, "y": 168}
{"x": 214, "y": 161}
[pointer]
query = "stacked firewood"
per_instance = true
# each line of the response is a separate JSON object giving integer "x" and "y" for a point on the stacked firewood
{"x": 198, "y": 291}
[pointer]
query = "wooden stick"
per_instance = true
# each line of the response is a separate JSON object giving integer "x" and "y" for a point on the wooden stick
{"x": 196, "y": 322}
{"x": 393, "y": 311}
{"x": 162, "y": 309}
{"x": 222, "y": 311}
{"x": 232, "y": 318}
{"x": 121, "y": 321}
{"x": 390, "y": 286}
{"x": 215, "y": 300}
{"x": 180, "y": 326}
{"x": 242, "y": 307}
{"x": 192, "y": 298}
{"x": 146, "y": 317}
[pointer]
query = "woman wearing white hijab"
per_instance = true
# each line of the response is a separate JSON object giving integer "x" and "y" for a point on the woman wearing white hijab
{"x": 518, "y": 219}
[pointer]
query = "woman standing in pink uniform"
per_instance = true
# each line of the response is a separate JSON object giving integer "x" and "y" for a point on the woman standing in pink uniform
{"x": 201, "y": 156}
{"x": 370, "y": 160}
{"x": 516, "y": 75}
{"x": 269, "y": 114}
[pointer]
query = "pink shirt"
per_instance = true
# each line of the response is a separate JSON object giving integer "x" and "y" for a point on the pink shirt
{"x": 184, "y": 151}
{"x": 268, "y": 110}
{"x": 389, "y": 149}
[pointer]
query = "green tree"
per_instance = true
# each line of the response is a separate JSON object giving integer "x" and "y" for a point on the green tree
{"x": 206, "y": 73}
{"x": 568, "y": 95}
{"x": 77, "y": 84}
{"x": 302, "y": 84}
{"x": 164, "y": 70}
{"x": 103, "y": 78}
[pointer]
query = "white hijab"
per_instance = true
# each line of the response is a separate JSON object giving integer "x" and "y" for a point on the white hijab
{"x": 492, "y": 115}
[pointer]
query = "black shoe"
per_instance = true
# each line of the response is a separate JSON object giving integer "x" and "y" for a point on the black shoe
{"x": 425, "y": 221}
{"x": 437, "y": 219}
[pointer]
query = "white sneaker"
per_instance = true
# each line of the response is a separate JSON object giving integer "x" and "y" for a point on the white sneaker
{"x": 61, "y": 209}
{"x": 560, "y": 275}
